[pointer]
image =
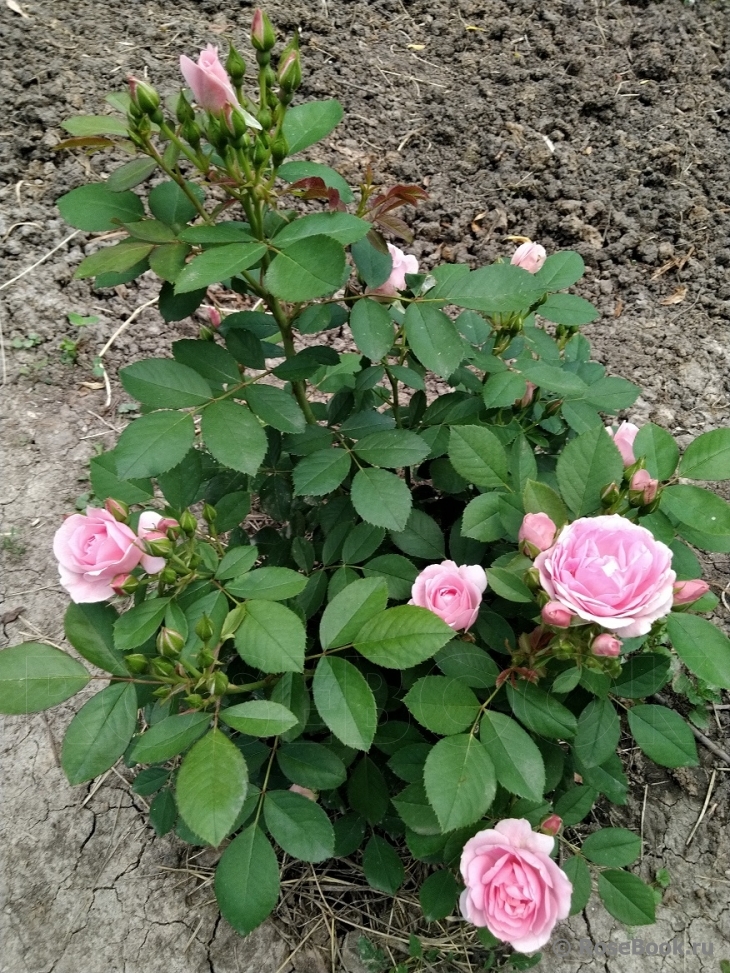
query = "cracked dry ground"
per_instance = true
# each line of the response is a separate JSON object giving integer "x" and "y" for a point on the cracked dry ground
{"x": 598, "y": 125}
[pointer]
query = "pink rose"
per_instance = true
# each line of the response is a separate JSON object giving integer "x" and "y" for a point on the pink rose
{"x": 92, "y": 549}
{"x": 610, "y": 571}
{"x": 537, "y": 533}
{"x": 606, "y": 646}
{"x": 551, "y": 825}
{"x": 304, "y": 791}
{"x": 643, "y": 488}
{"x": 685, "y": 592}
{"x": 556, "y": 614}
{"x": 149, "y": 529}
{"x": 211, "y": 85}
{"x": 624, "y": 438}
{"x": 513, "y": 887}
{"x": 453, "y": 592}
{"x": 529, "y": 256}
{"x": 403, "y": 263}
{"x": 528, "y": 397}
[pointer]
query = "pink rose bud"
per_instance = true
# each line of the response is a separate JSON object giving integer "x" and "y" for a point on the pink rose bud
{"x": 551, "y": 825}
{"x": 263, "y": 37}
{"x": 453, "y": 592}
{"x": 513, "y": 887}
{"x": 214, "y": 316}
{"x": 148, "y": 529}
{"x": 607, "y": 646}
{"x": 211, "y": 85}
{"x": 642, "y": 488}
{"x": 289, "y": 75}
{"x": 556, "y": 615}
{"x": 685, "y": 592}
{"x": 402, "y": 264}
{"x": 528, "y": 397}
{"x": 624, "y": 438}
{"x": 144, "y": 96}
{"x": 118, "y": 510}
{"x": 124, "y": 584}
{"x": 529, "y": 256}
{"x": 537, "y": 534}
{"x": 304, "y": 791}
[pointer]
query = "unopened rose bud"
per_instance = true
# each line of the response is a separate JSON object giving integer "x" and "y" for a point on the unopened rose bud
{"x": 556, "y": 615}
{"x": 169, "y": 526}
{"x": 125, "y": 584}
{"x": 610, "y": 494}
{"x": 168, "y": 575}
{"x": 169, "y": 643}
{"x": 536, "y": 534}
{"x": 204, "y": 629}
{"x": 279, "y": 150}
{"x": 642, "y": 488}
{"x": 162, "y": 667}
{"x": 264, "y": 119}
{"x": 606, "y": 646}
{"x": 235, "y": 66}
{"x": 236, "y": 121}
{"x": 551, "y": 825}
{"x": 214, "y": 316}
{"x": 528, "y": 397}
{"x": 289, "y": 74}
{"x": 206, "y": 658}
{"x": 624, "y": 439}
{"x": 209, "y": 513}
{"x": 191, "y": 133}
{"x": 205, "y": 333}
{"x": 136, "y": 662}
{"x": 529, "y": 256}
{"x": 144, "y": 97}
{"x": 184, "y": 110}
{"x": 157, "y": 544}
{"x": 260, "y": 152}
{"x": 194, "y": 700}
{"x": 217, "y": 684}
{"x": 118, "y": 510}
{"x": 685, "y": 592}
{"x": 552, "y": 408}
{"x": 532, "y": 579}
{"x": 304, "y": 791}
{"x": 263, "y": 37}
{"x": 188, "y": 522}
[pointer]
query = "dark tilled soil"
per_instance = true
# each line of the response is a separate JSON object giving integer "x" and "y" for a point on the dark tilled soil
{"x": 596, "y": 125}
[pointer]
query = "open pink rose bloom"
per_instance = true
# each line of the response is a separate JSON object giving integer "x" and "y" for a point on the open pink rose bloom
{"x": 513, "y": 887}
{"x": 610, "y": 571}
{"x": 211, "y": 85}
{"x": 453, "y": 592}
{"x": 403, "y": 263}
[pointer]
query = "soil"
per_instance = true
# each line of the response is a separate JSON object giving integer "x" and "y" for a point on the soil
{"x": 596, "y": 125}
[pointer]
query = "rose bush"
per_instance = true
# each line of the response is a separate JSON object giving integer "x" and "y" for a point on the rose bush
{"x": 381, "y": 639}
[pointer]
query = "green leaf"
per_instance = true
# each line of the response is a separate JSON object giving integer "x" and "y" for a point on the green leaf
{"x": 294, "y": 171}
{"x": 588, "y": 463}
{"x": 611, "y": 395}
{"x": 168, "y": 260}
{"x": 175, "y": 307}
{"x": 381, "y": 498}
{"x": 348, "y": 611}
{"x": 642, "y": 675}
{"x": 612, "y": 846}
{"x": 269, "y": 584}
{"x": 575, "y": 804}
{"x": 580, "y": 878}
{"x": 382, "y": 866}
{"x": 271, "y": 637}
{"x": 442, "y": 704}
{"x": 35, "y": 676}
{"x": 663, "y": 735}
{"x": 140, "y": 623}
{"x": 169, "y": 737}
{"x": 171, "y": 205}
{"x": 392, "y": 448}
{"x": 703, "y": 648}
{"x": 99, "y": 733}
{"x": 311, "y": 765}
{"x": 206, "y": 234}
{"x": 164, "y": 384}
{"x": 299, "y": 826}
{"x": 149, "y": 781}
{"x": 154, "y": 444}
{"x": 421, "y": 538}
{"x": 90, "y": 629}
{"x": 367, "y": 791}
{"x": 237, "y": 561}
{"x": 697, "y": 508}
{"x": 707, "y": 457}
{"x": 408, "y": 762}
{"x": 659, "y": 449}
{"x": 482, "y": 520}
{"x": 413, "y": 805}
{"x": 517, "y": 761}
{"x": 345, "y": 702}
{"x": 598, "y": 733}
{"x": 151, "y": 231}
{"x": 342, "y": 227}
{"x": 541, "y": 713}
{"x": 468, "y": 663}
{"x": 433, "y": 337}
{"x": 508, "y": 586}
{"x": 372, "y": 328}
{"x": 568, "y": 309}
{"x": 402, "y": 637}
{"x": 496, "y": 289}
{"x": 399, "y": 574}
{"x": 106, "y": 483}
{"x": 321, "y": 472}
{"x": 540, "y": 498}
{"x": 207, "y": 359}
{"x": 438, "y": 896}
{"x": 309, "y": 123}
{"x": 560, "y": 270}
{"x": 234, "y": 436}
{"x": 627, "y": 898}
{"x": 259, "y": 718}
{"x": 130, "y": 175}
{"x": 217, "y": 264}
{"x": 361, "y": 543}
{"x": 349, "y": 832}
{"x": 95, "y": 208}
{"x": 460, "y": 781}
{"x": 478, "y": 455}
{"x": 373, "y": 264}
{"x": 114, "y": 259}
{"x": 211, "y": 786}
{"x": 163, "y": 812}
{"x": 314, "y": 267}
{"x": 247, "y": 881}
{"x": 276, "y": 408}
{"x": 554, "y": 378}
{"x": 503, "y": 389}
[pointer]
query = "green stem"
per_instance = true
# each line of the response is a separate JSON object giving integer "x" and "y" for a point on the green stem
{"x": 177, "y": 178}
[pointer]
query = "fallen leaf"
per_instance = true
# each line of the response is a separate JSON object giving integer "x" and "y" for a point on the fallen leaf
{"x": 16, "y": 8}
{"x": 676, "y": 297}
{"x": 617, "y": 311}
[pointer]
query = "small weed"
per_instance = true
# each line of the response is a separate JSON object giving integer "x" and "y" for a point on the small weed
{"x": 12, "y": 545}
{"x": 31, "y": 340}
{"x": 69, "y": 350}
